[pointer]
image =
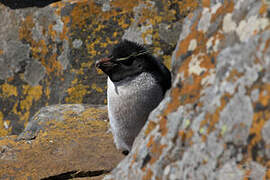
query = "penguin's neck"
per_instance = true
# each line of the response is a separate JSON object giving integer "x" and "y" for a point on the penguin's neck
{"x": 132, "y": 84}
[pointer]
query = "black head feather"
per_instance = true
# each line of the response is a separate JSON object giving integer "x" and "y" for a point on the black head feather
{"x": 126, "y": 48}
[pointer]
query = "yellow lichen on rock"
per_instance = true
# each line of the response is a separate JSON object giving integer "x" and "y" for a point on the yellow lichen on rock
{"x": 32, "y": 94}
{"x": 9, "y": 90}
{"x": 73, "y": 134}
{"x": 96, "y": 88}
{"x": 76, "y": 93}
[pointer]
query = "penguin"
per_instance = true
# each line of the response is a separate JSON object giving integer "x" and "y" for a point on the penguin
{"x": 137, "y": 82}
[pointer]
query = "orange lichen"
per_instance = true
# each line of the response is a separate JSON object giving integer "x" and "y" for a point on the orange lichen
{"x": 227, "y": 7}
{"x": 267, "y": 174}
{"x": 181, "y": 134}
{"x": 263, "y": 8}
{"x": 134, "y": 157}
{"x": 259, "y": 119}
{"x": 148, "y": 175}
{"x": 187, "y": 6}
{"x": 185, "y": 136}
{"x": 150, "y": 15}
{"x": 183, "y": 46}
{"x": 90, "y": 10}
{"x": 190, "y": 92}
{"x": 264, "y": 97}
{"x": 189, "y": 134}
{"x": 163, "y": 126}
{"x": 51, "y": 31}
{"x": 64, "y": 34}
{"x": 79, "y": 14}
{"x": 25, "y": 31}
{"x": 234, "y": 76}
{"x": 247, "y": 173}
{"x": 52, "y": 65}
{"x": 1, "y": 52}
{"x": 157, "y": 150}
{"x": 40, "y": 49}
{"x": 175, "y": 92}
{"x": 267, "y": 44}
{"x": 151, "y": 125}
{"x": 125, "y": 6}
{"x": 150, "y": 142}
{"x": 206, "y": 3}
{"x": 59, "y": 6}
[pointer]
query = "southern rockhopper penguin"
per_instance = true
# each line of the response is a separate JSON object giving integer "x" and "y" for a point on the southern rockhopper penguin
{"x": 137, "y": 82}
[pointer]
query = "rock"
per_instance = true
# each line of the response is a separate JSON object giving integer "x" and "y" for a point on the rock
{"x": 214, "y": 122}
{"x": 48, "y": 49}
{"x": 70, "y": 141}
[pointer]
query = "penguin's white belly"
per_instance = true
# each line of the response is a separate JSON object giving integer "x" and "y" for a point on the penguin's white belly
{"x": 129, "y": 103}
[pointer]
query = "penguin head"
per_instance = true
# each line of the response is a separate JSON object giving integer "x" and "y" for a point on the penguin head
{"x": 127, "y": 59}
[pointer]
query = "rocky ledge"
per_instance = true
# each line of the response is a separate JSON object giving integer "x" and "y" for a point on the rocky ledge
{"x": 61, "y": 142}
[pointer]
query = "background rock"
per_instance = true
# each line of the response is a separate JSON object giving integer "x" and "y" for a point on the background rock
{"x": 214, "y": 122}
{"x": 48, "y": 51}
{"x": 70, "y": 141}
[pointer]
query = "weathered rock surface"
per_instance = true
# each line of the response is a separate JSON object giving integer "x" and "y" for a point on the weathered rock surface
{"x": 214, "y": 123}
{"x": 68, "y": 141}
{"x": 47, "y": 53}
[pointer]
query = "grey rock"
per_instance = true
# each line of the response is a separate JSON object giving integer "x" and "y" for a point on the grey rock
{"x": 209, "y": 126}
{"x": 266, "y": 132}
{"x": 34, "y": 72}
{"x": 64, "y": 57}
{"x": 238, "y": 111}
{"x": 46, "y": 114}
{"x": 77, "y": 43}
{"x": 231, "y": 171}
{"x": 5, "y": 72}
{"x": 169, "y": 32}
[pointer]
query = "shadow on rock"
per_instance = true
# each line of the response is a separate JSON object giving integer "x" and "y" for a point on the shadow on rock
{"x": 77, "y": 174}
{"x": 17, "y": 4}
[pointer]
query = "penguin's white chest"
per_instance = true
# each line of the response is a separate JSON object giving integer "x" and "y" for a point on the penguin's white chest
{"x": 129, "y": 103}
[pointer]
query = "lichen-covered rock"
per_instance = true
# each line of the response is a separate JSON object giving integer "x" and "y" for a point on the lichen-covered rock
{"x": 47, "y": 53}
{"x": 48, "y": 115}
{"x": 214, "y": 123}
{"x": 69, "y": 141}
